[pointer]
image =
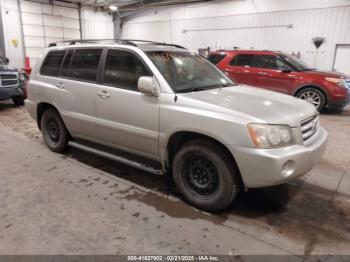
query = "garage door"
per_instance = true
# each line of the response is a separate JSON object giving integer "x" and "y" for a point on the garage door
{"x": 46, "y": 23}
{"x": 342, "y": 59}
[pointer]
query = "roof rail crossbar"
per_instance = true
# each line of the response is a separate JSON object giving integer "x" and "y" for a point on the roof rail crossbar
{"x": 155, "y": 42}
{"x": 92, "y": 41}
{"x": 119, "y": 41}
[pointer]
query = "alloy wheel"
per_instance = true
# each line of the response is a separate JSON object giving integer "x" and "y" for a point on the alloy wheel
{"x": 311, "y": 97}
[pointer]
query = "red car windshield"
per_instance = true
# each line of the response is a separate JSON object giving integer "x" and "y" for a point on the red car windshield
{"x": 297, "y": 63}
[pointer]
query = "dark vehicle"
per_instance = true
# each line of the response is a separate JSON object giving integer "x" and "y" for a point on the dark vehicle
{"x": 285, "y": 73}
{"x": 12, "y": 83}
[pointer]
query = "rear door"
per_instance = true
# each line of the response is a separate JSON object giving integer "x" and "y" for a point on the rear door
{"x": 240, "y": 69}
{"x": 274, "y": 74}
{"x": 78, "y": 82}
{"x": 126, "y": 118}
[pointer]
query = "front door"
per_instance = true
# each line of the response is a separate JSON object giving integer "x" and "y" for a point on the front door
{"x": 274, "y": 74}
{"x": 126, "y": 118}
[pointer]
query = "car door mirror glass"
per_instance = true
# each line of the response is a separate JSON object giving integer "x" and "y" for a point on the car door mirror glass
{"x": 148, "y": 85}
{"x": 286, "y": 70}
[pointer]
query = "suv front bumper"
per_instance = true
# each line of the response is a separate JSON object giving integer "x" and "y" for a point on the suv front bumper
{"x": 265, "y": 167}
{"x": 8, "y": 92}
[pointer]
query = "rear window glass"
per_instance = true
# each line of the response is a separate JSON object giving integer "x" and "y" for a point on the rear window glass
{"x": 242, "y": 60}
{"x": 84, "y": 65}
{"x": 216, "y": 58}
{"x": 52, "y": 63}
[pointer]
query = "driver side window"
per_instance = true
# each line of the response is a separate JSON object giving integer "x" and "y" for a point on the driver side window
{"x": 271, "y": 62}
{"x": 283, "y": 66}
{"x": 266, "y": 61}
{"x": 123, "y": 69}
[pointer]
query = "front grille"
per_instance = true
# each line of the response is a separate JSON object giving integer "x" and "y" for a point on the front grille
{"x": 8, "y": 79}
{"x": 309, "y": 127}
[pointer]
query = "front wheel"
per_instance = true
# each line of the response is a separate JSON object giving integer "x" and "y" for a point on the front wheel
{"x": 54, "y": 131}
{"x": 18, "y": 100}
{"x": 206, "y": 176}
{"x": 313, "y": 96}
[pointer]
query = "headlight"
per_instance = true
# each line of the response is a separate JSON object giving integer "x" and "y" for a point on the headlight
{"x": 270, "y": 136}
{"x": 21, "y": 76}
{"x": 338, "y": 81}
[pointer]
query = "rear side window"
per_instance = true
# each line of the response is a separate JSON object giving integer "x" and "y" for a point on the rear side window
{"x": 84, "y": 65}
{"x": 123, "y": 69}
{"x": 216, "y": 58}
{"x": 242, "y": 60}
{"x": 66, "y": 63}
{"x": 52, "y": 63}
{"x": 266, "y": 61}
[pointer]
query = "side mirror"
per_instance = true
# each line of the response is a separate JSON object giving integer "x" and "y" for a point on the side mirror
{"x": 6, "y": 60}
{"x": 148, "y": 85}
{"x": 286, "y": 70}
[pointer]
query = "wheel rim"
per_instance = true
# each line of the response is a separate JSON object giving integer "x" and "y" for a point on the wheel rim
{"x": 200, "y": 177}
{"x": 53, "y": 130}
{"x": 311, "y": 97}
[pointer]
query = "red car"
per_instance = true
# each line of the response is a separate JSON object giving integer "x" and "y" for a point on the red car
{"x": 285, "y": 73}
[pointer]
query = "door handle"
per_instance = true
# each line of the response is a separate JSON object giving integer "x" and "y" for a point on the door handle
{"x": 103, "y": 94}
{"x": 262, "y": 73}
{"x": 60, "y": 85}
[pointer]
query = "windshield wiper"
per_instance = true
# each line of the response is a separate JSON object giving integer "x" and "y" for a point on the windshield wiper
{"x": 307, "y": 69}
{"x": 201, "y": 88}
{"x": 191, "y": 89}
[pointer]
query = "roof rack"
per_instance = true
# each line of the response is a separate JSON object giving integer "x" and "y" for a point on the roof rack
{"x": 116, "y": 41}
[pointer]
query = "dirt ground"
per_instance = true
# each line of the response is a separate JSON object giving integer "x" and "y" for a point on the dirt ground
{"x": 82, "y": 204}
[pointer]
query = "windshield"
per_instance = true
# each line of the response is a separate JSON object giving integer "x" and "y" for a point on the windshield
{"x": 296, "y": 62}
{"x": 187, "y": 72}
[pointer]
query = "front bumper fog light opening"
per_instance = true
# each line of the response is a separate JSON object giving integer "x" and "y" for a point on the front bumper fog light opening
{"x": 288, "y": 168}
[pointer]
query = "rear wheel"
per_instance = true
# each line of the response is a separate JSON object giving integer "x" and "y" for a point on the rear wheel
{"x": 313, "y": 96}
{"x": 54, "y": 131}
{"x": 18, "y": 100}
{"x": 206, "y": 176}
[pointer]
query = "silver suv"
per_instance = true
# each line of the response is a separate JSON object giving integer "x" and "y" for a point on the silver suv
{"x": 163, "y": 109}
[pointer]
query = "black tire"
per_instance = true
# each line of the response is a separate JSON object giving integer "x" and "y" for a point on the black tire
{"x": 313, "y": 96}
{"x": 18, "y": 100}
{"x": 54, "y": 131}
{"x": 220, "y": 181}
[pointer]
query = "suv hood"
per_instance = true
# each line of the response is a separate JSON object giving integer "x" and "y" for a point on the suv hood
{"x": 325, "y": 73}
{"x": 254, "y": 104}
{"x": 7, "y": 68}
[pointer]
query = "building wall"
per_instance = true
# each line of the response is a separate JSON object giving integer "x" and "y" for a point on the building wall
{"x": 286, "y": 25}
{"x": 96, "y": 24}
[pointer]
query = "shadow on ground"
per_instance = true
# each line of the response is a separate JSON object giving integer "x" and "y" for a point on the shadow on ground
{"x": 5, "y": 105}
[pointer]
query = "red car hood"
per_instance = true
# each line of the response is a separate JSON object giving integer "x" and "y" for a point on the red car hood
{"x": 327, "y": 74}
